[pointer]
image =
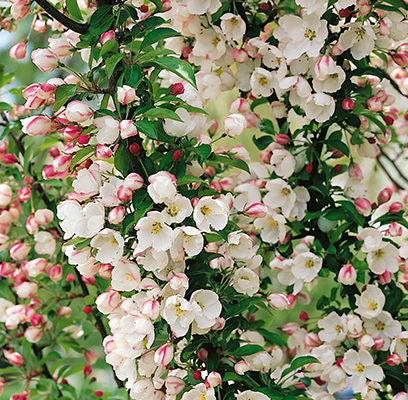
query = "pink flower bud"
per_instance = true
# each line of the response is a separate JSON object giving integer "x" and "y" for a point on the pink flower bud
{"x": 64, "y": 311}
{"x": 37, "y": 125}
{"x": 363, "y": 206}
{"x": 174, "y": 385}
{"x": 213, "y": 128}
{"x": 219, "y": 324}
{"x": 177, "y": 88}
{"x": 18, "y": 51}
{"x": 48, "y": 172}
{"x": 241, "y": 367}
{"x": 375, "y": 104}
{"x": 124, "y": 193}
{"x": 126, "y": 94}
{"x": 202, "y": 354}
{"x": 36, "y": 320}
{"x": 5, "y": 195}
{"x": 395, "y": 207}
{"x": 87, "y": 370}
{"x": 127, "y": 129}
{"x": 32, "y": 225}
{"x": 71, "y": 132}
{"x": 61, "y": 163}
{"x": 78, "y": 111}
{"x": 133, "y": 181}
{"x": 55, "y": 273}
{"x": 109, "y": 35}
{"x": 40, "y": 26}
{"x": 105, "y": 271}
{"x": 253, "y": 120}
{"x": 150, "y": 308}
{"x": 44, "y": 59}
{"x": 363, "y": 7}
{"x": 304, "y": 316}
{"x": 24, "y": 194}
{"x": 385, "y": 277}
{"x": 107, "y": 302}
{"x": 323, "y": 66}
{"x": 213, "y": 379}
{"x": 347, "y": 104}
{"x": 18, "y": 251}
{"x": 90, "y": 356}
{"x": 33, "y": 334}
{"x": 103, "y": 152}
{"x": 14, "y": 358}
{"x": 25, "y": 290}
{"x": 164, "y": 354}
{"x": 394, "y": 359}
{"x": 279, "y": 301}
{"x": 378, "y": 343}
{"x": 336, "y": 50}
{"x": 240, "y": 105}
{"x": 20, "y": 9}
{"x": 347, "y": 275}
{"x": 282, "y": 139}
{"x": 116, "y": 215}
{"x": 365, "y": 342}
{"x": 312, "y": 340}
{"x": 384, "y": 195}
{"x": 256, "y": 210}
{"x": 394, "y": 230}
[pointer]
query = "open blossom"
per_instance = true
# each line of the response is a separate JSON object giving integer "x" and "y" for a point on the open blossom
{"x": 44, "y": 59}
{"x": 108, "y": 129}
{"x": 371, "y": 302}
{"x": 233, "y": 26}
{"x": 359, "y": 38}
{"x": 110, "y": 245}
{"x": 177, "y": 210}
{"x": 306, "y": 266}
{"x": 360, "y": 365}
{"x": 198, "y": 392}
{"x": 383, "y": 259}
{"x": 210, "y": 212}
{"x": 246, "y": 281}
{"x": 125, "y": 276}
{"x": 283, "y": 163}
{"x": 319, "y": 107}
{"x": 280, "y": 194}
{"x": 272, "y": 227}
{"x": 207, "y": 308}
{"x": 162, "y": 187}
{"x": 179, "y": 313}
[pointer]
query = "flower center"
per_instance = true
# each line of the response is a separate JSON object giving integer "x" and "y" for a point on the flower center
{"x": 179, "y": 311}
{"x": 173, "y": 210}
{"x": 338, "y": 328}
{"x": 216, "y": 41}
{"x": 285, "y": 192}
{"x": 202, "y": 396}
{"x": 156, "y": 228}
{"x": 359, "y": 367}
{"x": 263, "y": 81}
{"x": 205, "y": 210}
{"x": 309, "y": 264}
{"x": 379, "y": 253}
{"x": 372, "y": 305}
{"x": 310, "y": 34}
{"x": 129, "y": 276}
{"x": 273, "y": 223}
{"x": 380, "y": 326}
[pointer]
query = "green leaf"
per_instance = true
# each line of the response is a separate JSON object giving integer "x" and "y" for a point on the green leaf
{"x": 121, "y": 162}
{"x": 263, "y": 142}
{"x": 110, "y": 46}
{"x": 81, "y": 156}
{"x": 147, "y": 128}
{"x": 339, "y": 145}
{"x": 62, "y": 95}
{"x": 241, "y": 164}
{"x": 111, "y": 63}
{"x": 298, "y": 363}
{"x": 158, "y": 4}
{"x": 272, "y": 337}
{"x": 157, "y": 35}
{"x": 188, "y": 179}
{"x": 179, "y": 67}
{"x": 248, "y": 349}
{"x": 5, "y": 106}
{"x": 73, "y": 10}
{"x": 162, "y": 113}
{"x": 204, "y": 151}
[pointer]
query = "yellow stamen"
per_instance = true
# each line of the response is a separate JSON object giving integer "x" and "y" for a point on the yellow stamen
{"x": 359, "y": 367}
{"x": 179, "y": 311}
{"x": 309, "y": 34}
{"x": 372, "y": 305}
{"x": 173, "y": 210}
{"x": 309, "y": 264}
{"x": 205, "y": 210}
{"x": 156, "y": 228}
{"x": 380, "y": 326}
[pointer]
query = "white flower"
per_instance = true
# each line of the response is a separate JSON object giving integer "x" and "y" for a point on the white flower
{"x": 210, "y": 212}
{"x": 359, "y": 38}
{"x": 272, "y": 227}
{"x": 177, "y": 210}
{"x": 188, "y": 239}
{"x": 399, "y": 345}
{"x": 313, "y": 6}
{"x": 235, "y": 124}
{"x": 250, "y": 395}
{"x": 383, "y": 259}
{"x": 280, "y": 194}
{"x": 383, "y": 326}
{"x": 210, "y": 43}
{"x": 333, "y": 328}
{"x": 286, "y": 277}
{"x": 199, "y": 392}
{"x": 207, "y": 308}
{"x": 301, "y": 35}
{"x": 371, "y": 302}
{"x": 246, "y": 281}
{"x": 336, "y": 378}
{"x": 179, "y": 314}
{"x": 262, "y": 82}
{"x": 125, "y": 276}
{"x": 283, "y": 163}
{"x": 361, "y": 366}
{"x": 162, "y": 187}
{"x": 241, "y": 246}
{"x": 319, "y": 107}
{"x": 109, "y": 192}
{"x": 84, "y": 222}
{"x": 191, "y": 124}
{"x": 88, "y": 181}
{"x": 199, "y": 7}
{"x": 306, "y": 266}
{"x": 233, "y": 26}
{"x": 44, "y": 243}
{"x": 328, "y": 77}
{"x": 110, "y": 245}
{"x": 372, "y": 239}
{"x": 108, "y": 129}
{"x": 298, "y": 211}
{"x": 4, "y": 305}
{"x": 152, "y": 231}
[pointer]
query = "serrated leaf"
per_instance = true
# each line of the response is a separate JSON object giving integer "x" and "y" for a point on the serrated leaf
{"x": 158, "y": 34}
{"x": 73, "y": 10}
{"x": 179, "y": 67}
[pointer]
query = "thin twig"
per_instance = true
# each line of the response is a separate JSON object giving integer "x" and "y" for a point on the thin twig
{"x": 400, "y": 173}
{"x": 383, "y": 167}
